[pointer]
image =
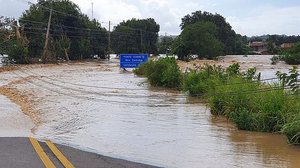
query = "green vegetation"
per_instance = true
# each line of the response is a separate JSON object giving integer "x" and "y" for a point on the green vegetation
{"x": 200, "y": 39}
{"x": 202, "y": 81}
{"x": 135, "y": 36}
{"x": 211, "y": 36}
{"x": 292, "y": 56}
{"x": 164, "y": 45}
{"x": 164, "y": 72}
{"x": 67, "y": 33}
{"x": 240, "y": 96}
{"x": 72, "y": 35}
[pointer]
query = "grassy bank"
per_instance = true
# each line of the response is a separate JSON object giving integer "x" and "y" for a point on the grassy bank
{"x": 240, "y": 96}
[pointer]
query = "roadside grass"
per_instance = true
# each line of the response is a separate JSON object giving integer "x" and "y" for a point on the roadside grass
{"x": 240, "y": 96}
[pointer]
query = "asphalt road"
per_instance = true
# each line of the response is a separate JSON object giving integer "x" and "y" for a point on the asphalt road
{"x": 19, "y": 152}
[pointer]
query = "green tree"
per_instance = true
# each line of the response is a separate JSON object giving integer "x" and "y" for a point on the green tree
{"x": 85, "y": 48}
{"x": 68, "y": 21}
{"x": 224, "y": 32}
{"x": 292, "y": 56}
{"x": 164, "y": 45}
{"x": 198, "y": 39}
{"x": 135, "y": 36}
{"x": 63, "y": 47}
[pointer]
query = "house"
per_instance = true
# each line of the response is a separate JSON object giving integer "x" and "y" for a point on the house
{"x": 259, "y": 47}
{"x": 287, "y": 46}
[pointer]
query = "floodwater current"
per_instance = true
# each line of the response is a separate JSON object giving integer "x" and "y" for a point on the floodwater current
{"x": 99, "y": 108}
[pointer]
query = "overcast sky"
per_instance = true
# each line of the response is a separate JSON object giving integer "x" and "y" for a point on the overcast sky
{"x": 247, "y": 17}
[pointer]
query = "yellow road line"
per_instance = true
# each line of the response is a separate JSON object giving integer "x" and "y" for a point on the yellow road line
{"x": 59, "y": 155}
{"x": 43, "y": 156}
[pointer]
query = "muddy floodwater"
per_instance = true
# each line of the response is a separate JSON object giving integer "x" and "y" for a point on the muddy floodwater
{"x": 97, "y": 107}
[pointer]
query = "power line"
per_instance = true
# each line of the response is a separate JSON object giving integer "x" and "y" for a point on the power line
{"x": 59, "y": 12}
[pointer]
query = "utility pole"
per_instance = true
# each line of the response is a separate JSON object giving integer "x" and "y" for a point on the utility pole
{"x": 18, "y": 34}
{"x": 109, "y": 23}
{"x": 44, "y": 56}
{"x": 141, "y": 39}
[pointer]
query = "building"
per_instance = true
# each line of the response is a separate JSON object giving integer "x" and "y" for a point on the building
{"x": 287, "y": 46}
{"x": 259, "y": 47}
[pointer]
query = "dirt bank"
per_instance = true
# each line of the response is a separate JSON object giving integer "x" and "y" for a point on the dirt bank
{"x": 23, "y": 100}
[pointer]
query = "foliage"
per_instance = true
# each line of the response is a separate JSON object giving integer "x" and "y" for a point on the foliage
{"x": 63, "y": 47}
{"x": 290, "y": 79}
{"x": 292, "y": 56}
{"x": 135, "y": 36}
{"x": 272, "y": 48}
{"x": 240, "y": 96}
{"x": 73, "y": 27}
{"x": 275, "y": 59}
{"x": 18, "y": 51}
{"x": 199, "y": 39}
{"x": 12, "y": 41}
{"x": 202, "y": 81}
{"x": 260, "y": 107}
{"x": 233, "y": 43}
{"x": 164, "y": 72}
{"x": 164, "y": 45}
{"x": 280, "y": 39}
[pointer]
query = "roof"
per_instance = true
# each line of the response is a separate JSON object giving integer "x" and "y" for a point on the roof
{"x": 257, "y": 44}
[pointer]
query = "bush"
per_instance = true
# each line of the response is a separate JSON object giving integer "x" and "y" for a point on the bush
{"x": 250, "y": 104}
{"x": 197, "y": 83}
{"x": 292, "y": 56}
{"x": 18, "y": 52}
{"x": 164, "y": 72}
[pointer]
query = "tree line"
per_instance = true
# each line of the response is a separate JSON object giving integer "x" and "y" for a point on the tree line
{"x": 74, "y": 36}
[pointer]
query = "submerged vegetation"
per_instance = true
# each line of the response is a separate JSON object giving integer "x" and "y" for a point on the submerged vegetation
{"x": 240, "y": 96}
{"x": 164, "y": 72}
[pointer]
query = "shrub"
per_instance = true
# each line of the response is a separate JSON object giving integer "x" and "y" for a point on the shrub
{"x": 18, "y": 52}
{"x": 164, "y": 72}
{"x": 197, "y": 83}
{"x": 292, "y": 56}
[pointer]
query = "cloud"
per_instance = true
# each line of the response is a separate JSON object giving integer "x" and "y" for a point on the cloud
{"x": 254, "y": 17}
{"x": 105, "y": 10}
{"x": 268, "y": 20}
{"x": 13, "y": 8}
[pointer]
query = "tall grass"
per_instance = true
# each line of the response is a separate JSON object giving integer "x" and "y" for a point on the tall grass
{"x": 240, "y": 96}
{"x": 203, "y": 81}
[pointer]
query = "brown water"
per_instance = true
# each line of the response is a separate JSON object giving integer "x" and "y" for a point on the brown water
{"x": 96, "y": 107}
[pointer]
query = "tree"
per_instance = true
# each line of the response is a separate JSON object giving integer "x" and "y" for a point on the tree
{"x": 85, "y": 48}
{"x": 12, "y": 41}
{"x": 224, "y": 31}
{"x": 135, "y": 36}
{"x": 292, "y": 56}
{"x": 164, "y": 44}
{"x": 63, "y": 45}
{"x": 69, "y": 28}
{"x": 199, "y": 39}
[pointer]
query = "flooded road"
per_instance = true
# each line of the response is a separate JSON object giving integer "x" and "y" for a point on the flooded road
{"x": 96, "y": 107}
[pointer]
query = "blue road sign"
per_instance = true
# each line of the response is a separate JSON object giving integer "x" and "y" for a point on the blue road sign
{"x": 132, "y": 60}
